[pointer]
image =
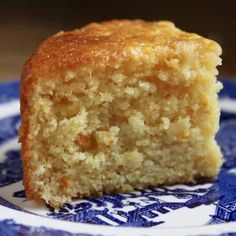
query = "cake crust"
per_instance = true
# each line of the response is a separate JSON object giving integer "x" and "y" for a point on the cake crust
{"x": 105, "y": 45}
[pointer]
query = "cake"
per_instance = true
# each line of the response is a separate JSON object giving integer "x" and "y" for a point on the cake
{"x": 118, "y": 106}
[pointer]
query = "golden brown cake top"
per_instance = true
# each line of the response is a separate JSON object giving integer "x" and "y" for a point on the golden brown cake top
{"x": 106, "y": 42}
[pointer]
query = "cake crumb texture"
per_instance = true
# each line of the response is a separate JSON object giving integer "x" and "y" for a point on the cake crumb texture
{"x": 118, "y": 106}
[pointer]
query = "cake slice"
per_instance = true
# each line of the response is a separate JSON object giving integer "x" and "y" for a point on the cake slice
{"x": 118, "y": 106}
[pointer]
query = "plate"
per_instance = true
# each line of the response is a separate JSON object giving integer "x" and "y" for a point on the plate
{"x": 208, "y": 208}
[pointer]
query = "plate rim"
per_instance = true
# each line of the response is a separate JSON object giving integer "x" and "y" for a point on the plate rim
{"x": 229, "y": 227}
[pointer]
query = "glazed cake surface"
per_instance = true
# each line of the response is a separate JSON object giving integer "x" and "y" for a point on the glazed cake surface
{"x": 118, "y": 106}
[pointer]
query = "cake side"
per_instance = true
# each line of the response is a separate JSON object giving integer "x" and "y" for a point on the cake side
{"x": 140, "y": 112}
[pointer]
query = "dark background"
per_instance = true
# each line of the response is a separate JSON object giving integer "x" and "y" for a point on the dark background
{"x": 24, "y": 24}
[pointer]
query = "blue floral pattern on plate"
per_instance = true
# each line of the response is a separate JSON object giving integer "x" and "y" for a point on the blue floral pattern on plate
{"x": 9, "y": 227}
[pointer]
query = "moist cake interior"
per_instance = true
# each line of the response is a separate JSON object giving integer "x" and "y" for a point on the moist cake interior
{"x": 108, "y": 130}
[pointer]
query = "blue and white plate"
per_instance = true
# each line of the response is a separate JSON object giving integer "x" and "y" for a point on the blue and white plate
{"x": 203, "y": 209}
